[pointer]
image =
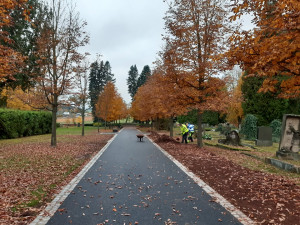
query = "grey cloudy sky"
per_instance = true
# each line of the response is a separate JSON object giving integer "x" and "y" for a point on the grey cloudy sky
{"x": 125, "y": 33}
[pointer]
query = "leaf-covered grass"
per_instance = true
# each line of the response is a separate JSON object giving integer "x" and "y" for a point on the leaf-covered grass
{"x": 246, "y": 161}
{"x": 31, "y": 171}
{"x": 264, "y": 193}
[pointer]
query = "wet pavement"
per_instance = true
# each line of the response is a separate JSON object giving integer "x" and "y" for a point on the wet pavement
{"x": 133, "y": 182}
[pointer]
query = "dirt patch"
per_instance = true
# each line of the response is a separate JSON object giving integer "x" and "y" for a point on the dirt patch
{"x": 265, "y": 198}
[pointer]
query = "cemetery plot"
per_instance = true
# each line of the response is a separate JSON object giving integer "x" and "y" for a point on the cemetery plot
{"x": 266, "y": 198}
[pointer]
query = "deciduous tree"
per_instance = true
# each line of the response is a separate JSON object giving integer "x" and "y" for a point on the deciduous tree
{"x": 62, "y": 35}
{"x": 157, "y": 99}
{"x": 235, "y": 111}
{"x": 196, "y": 31}
{"x": 80, "y": 98}
{"x": 10, "y": 59}
{"x": 271, "y": 50}
{"x": 110, "y": 106}
{"x": 23, "y": 32}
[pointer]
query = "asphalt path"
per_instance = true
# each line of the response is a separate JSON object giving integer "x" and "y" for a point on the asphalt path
{"x": 133, "y": 182}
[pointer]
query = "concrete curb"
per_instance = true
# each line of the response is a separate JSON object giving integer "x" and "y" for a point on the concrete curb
{"x": 240, "y": 216}
{"x": 49, "y": 211}
{"x": 283, "y": 165}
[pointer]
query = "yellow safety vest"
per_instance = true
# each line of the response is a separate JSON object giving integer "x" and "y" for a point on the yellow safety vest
{"x": 184, "y": 129}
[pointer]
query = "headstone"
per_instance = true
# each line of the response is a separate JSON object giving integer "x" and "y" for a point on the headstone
{"x": 264, "y": 136}
{"x": 289, "y": 145}
{"x": 232, "y": 138}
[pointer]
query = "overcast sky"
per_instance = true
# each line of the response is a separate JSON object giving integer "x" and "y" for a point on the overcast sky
{"x": 125, "y": 33}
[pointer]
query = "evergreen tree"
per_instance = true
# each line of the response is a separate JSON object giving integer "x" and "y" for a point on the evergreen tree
{"x": 109, "y": 76}
{"x": 100, "y": 74}
{"x": 265, "y": 106}
{"x": 146, "y": 72}
{"x": 132, "y": 81}
{"x": 94, "y": 85}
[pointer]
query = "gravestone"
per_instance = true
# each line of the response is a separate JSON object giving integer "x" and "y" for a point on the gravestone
{"x": 289, "y": 145}
{"x": 232, "y": 138}
{"x": 264, "y": 136}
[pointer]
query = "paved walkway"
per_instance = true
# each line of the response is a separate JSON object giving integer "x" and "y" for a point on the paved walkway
{"x": 135, "y": 183}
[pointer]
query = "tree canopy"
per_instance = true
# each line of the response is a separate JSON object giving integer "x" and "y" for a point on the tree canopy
{"x": 271, "y": 50}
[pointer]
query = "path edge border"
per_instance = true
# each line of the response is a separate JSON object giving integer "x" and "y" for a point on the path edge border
{"x": 49, "y": 211}
{"x": 239, "y": 215}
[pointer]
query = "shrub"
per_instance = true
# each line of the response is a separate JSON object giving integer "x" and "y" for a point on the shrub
{"x": 276, "y": 130}
{"x": 207, "y": 137}
{"x": 96, "y": 124}
{"x": 17, "y": 123}
{"x": 219, "y": 128}
{"x": 249, "y": 127}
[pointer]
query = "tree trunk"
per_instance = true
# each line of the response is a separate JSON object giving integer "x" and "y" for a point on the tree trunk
{"x": 53, "y": 132}
{"x": 82, "y": 117}
{"x": 157, "y": 124}
{"x": 199, "y": 133}
{"x": 171, "y": 127}
{"x": 98, "y": 124}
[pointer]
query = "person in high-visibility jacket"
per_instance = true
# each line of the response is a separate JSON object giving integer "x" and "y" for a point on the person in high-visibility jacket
{"x": 191, "y": 131}
{"x": 184, "y": 132}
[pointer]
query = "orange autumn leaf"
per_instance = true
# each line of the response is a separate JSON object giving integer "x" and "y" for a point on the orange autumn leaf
{"x": 271, "y": 50}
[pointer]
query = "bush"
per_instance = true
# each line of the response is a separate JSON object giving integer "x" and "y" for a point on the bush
{"x": 206, "y": 137}
{"x": 224, "y": 128}
{"x": 17, "y": 123}
{"x": 219, "y": 128}
{"x": 249, "y": 127}
{"x": 276, "y": 130}
{"x": 98, "y": 124}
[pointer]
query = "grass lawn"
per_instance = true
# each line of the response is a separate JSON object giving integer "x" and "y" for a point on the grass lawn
{"x": 31, "y": 171}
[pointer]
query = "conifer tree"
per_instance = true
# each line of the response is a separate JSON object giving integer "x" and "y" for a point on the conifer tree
{"x": 145, "y": 74}
{"x": 107, "y": 74}
{"x": 100, "y": 74}
{"x": 93, "y": 85}
{"x": 132, "y": 81}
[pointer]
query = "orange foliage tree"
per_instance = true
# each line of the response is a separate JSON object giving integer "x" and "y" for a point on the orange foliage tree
{"x": 157, "y": 99}
{"x": 271, "y": 50}
{"x": 110, "y": 105}
{"x": 235, "y": 111}
{"x": 30, "y": 99}
{"x": 195, "y": 37}
{"x": 10, "y": 60}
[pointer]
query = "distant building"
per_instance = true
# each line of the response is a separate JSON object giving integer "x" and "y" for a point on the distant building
{"x": 66, "y": 114}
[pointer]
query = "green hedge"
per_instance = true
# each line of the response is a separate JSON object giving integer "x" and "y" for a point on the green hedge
{"x": 276, "y": 130}
{"x": 17, "y": 123}
{"x": 249, "y": 127}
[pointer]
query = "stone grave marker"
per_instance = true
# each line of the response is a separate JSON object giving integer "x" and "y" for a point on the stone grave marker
{"x": 232, "y": 138}
{"x": 264, "y": 136}
{"x": 289, "y": 145}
